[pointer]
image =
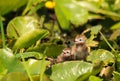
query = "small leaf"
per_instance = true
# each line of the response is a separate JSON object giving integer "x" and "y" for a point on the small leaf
{"x": 29, "y": 38}
{"x": 101, "y": 55}
{"x": 71, "y": 71}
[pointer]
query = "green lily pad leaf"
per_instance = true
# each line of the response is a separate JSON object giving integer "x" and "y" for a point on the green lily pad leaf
{"x": 71, "y": 71}
{"x": 53, "y": 50}
{"x": 94, "y": 78}
{"x": 35, "y": 66}
{"x": 11, "y": 63}
{"x": 101, "y": 55}
{"x": 29, "y": 38}
{"x": 116, "y": 76}
{"x": 74, "y": 13}
{"x": 21, "y": 25}
{"x": 8, "y": 5}
{"x": 37, "y": 55}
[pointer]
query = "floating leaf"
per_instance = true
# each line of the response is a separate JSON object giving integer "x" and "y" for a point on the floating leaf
{"x": 101, "y": 55}
{"x": 71, "y": 71}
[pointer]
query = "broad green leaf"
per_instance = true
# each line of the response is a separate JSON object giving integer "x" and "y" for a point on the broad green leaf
{"x": 64, "y": 22}
{"x": 116, "y": 76}
{"x": 95, "y": 29}
{"x": 71, "y": 71}
{"x": 76, "y": 14}
{"x": 29, "y": 38}
{"x": 29, "y": 54}
{"x": 94, "y": 78}
{"x": 95, "y": 7}
{"x": 11, "y": 63}
{"x": 21, "y": 25}
{"x": 35, "y": 66}
{"x": 101, "y": 55}
{"x": 9, "y": 5}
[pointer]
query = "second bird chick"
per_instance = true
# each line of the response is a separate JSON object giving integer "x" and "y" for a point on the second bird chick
{"x": 65, "y": 55}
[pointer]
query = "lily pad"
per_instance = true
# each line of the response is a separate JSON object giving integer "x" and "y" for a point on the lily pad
{"x": 71, "y": 71}
{"x": 101, "y": 55}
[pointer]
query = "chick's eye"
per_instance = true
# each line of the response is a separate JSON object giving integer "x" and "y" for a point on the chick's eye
{"x": 67, "y": 52}
{"x": 80, "y": 39}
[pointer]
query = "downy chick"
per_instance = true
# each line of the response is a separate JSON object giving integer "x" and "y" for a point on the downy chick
{"x": 65, "y": 55}
{"x": 79, "y": 49}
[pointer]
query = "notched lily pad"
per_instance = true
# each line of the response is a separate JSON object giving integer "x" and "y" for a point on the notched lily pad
{"x": 101, "y": 55}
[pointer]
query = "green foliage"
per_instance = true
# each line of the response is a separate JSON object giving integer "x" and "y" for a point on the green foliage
{"x": 7, "y": 6}
{"x": 34, "y": 33}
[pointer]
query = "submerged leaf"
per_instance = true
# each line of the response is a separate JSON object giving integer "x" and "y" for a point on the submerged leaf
{"x": 71, "y": 71}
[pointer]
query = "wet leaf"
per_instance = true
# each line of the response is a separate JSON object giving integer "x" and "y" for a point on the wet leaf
{"x": 101, "y": 55}
{"x": 71, "y": 71}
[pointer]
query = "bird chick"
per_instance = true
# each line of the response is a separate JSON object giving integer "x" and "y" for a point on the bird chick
{"x": 79, "y": 49}
{"x": 65, "y": 55}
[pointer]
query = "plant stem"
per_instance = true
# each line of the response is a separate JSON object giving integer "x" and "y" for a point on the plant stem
{"x": 107, "y": 42}
{"x": 27, "y": 70}
{"x": 2, "y": 32}
{"x": 42, "y": 68}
